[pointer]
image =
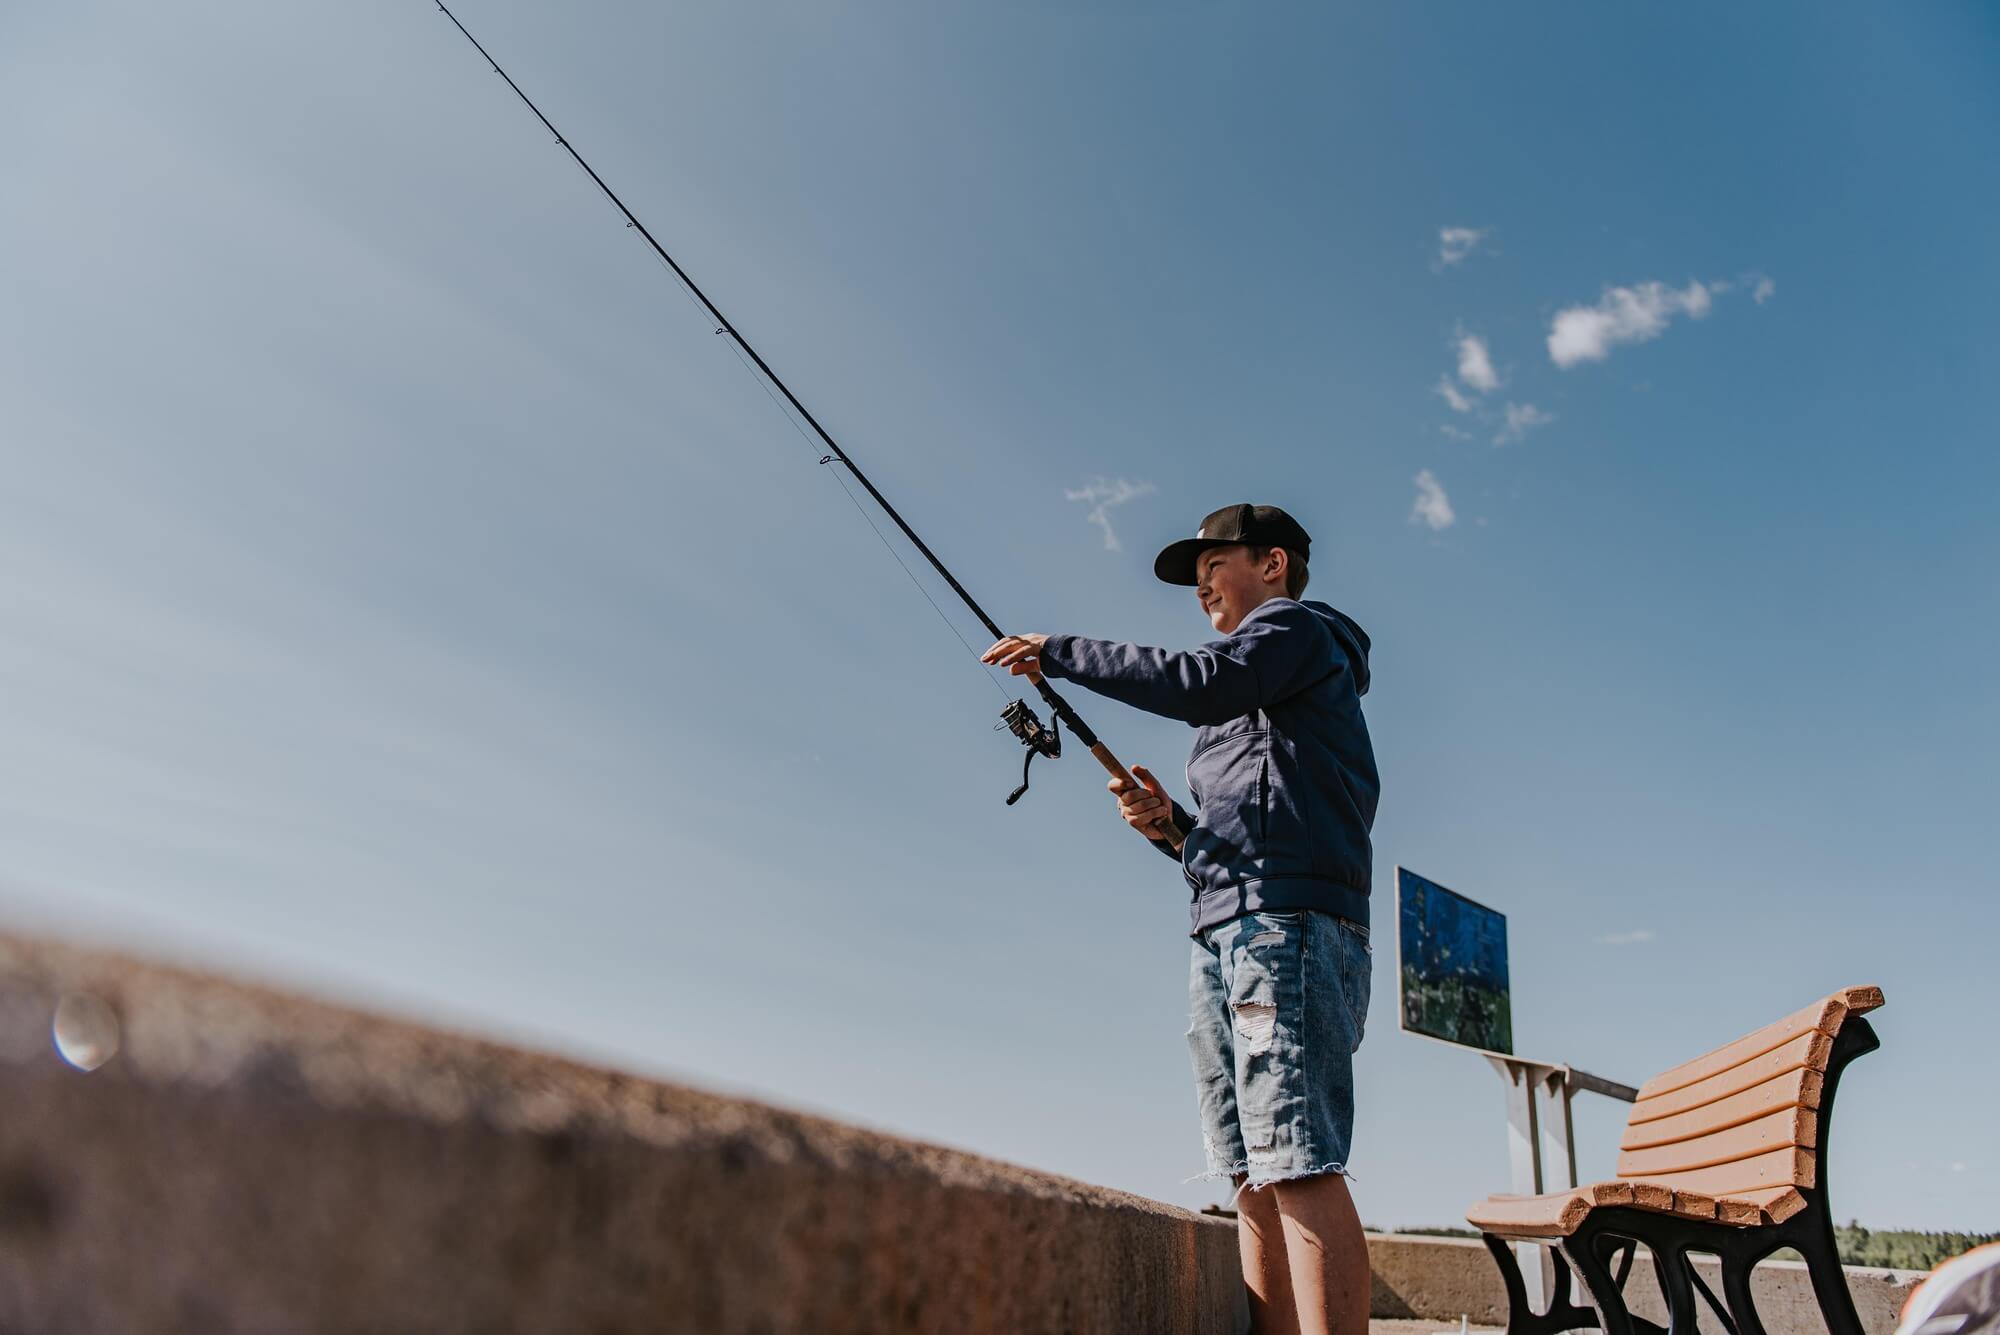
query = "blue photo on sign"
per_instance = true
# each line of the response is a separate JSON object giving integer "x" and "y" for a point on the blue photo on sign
{"x": 1454, "y": 966}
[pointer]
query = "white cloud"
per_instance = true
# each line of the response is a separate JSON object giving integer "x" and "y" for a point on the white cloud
{"x": 1631, "y": 938}
{"x": 1455, "y": 243}
{"x": 1454, "y": 433}
{"x": 1475, "y": 365}
{"x": 1622, "y": 315}
{"x": 1958, "y": 1166}
{"x": 1432, "y": 506}
{"x": 1521, "y": 419}
{"x": 1451, "y": 394}
{"x": 1764, "y": 291}
{"x": 1102, "y": 496}
{"x": 1475, "y": 371}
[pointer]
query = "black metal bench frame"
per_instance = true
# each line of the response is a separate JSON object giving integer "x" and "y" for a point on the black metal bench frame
{"x": 1600, "y": 1252}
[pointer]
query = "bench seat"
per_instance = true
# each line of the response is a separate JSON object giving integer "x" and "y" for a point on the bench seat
{"x": 1557, "y": 1214}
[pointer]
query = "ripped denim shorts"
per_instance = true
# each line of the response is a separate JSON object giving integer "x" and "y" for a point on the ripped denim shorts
{"x": 1277, "y": 1003}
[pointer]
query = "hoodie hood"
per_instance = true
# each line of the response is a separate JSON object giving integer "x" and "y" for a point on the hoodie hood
{"x": 1347, "y": 633}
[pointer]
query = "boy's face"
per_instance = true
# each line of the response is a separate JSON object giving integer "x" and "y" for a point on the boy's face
{"x": 1231, "y": 585}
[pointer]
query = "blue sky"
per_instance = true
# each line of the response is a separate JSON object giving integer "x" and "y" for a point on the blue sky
{"x": 409, "y": 599}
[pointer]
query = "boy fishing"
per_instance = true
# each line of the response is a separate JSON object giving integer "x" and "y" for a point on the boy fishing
{"x": 1278, "y": 858}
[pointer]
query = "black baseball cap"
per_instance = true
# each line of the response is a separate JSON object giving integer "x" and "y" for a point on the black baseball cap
{"x": 1256, "y": 525}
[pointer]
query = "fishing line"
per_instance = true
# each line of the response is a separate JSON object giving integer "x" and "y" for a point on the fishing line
{"x": 686, "y": 288}
{"x": 689, "y": 292}
{"x": 887, "y": 546}
{"x": 862, "y": 510}
{"x": 1017, "y": 716}
{"x": 882, "y": 537}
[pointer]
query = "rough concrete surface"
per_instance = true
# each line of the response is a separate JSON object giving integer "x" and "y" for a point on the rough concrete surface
{"x": 1438, "y": 1279}
{"x": 253, "y": 1163}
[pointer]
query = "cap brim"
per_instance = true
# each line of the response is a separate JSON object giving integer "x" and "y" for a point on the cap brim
{"x": 1175, "y": 563}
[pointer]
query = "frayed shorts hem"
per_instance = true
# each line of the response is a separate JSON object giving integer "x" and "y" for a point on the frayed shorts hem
{"x": 1295, "y": 1174}
{"x": 1257, "y": 1182}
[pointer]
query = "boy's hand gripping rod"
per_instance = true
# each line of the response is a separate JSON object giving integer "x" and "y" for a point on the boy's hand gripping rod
{"x": 1018, "y": 717}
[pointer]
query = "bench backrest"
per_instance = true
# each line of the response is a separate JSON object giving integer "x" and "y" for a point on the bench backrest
{"x": 1741, "y": 1121}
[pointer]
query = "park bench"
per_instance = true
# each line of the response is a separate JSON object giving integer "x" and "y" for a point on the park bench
{"x": 1726, "y": 1155}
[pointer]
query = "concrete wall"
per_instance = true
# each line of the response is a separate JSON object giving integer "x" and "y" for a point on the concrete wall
{"x": 1446, "y": 1278}
{"x": 253, "y": 1163}
{"x": 247, "y": 1163}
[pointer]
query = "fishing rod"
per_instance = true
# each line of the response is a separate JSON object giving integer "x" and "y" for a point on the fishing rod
{"x": 1018, "y": 717}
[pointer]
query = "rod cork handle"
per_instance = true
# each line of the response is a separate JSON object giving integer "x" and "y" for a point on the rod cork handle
{"x": 1165, "y": 832}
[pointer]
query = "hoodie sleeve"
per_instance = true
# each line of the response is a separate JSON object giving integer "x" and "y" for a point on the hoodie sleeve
{"x": 1182, "y": 822}
{"x": 1280, "y": 648}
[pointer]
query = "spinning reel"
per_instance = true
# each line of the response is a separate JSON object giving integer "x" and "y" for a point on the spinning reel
{"x": 1020, "y": 720}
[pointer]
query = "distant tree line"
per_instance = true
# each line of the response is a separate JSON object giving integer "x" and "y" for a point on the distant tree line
{"x": 1889, "y": 1248}
{"x": 1902, "y": 1248}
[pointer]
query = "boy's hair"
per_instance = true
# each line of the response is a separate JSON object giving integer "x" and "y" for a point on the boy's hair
{"x": 1296, "y": 573}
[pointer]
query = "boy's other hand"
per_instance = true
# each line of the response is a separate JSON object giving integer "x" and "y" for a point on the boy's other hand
{"x": 1019, "y": 654}
{"x": 1144, "y": 804}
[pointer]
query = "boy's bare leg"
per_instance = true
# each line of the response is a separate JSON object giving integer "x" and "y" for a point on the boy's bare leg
{"x": 1327, "y": 1253}
{"x": 1260, "y": 1238}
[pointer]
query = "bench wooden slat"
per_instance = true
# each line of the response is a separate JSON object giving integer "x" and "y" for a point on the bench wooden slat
{"x": 1775, "y": 1130}
{"x": 1861, "y": 1000}
{"x": 1694, "y": 1205}
{"x": 1771, "y": 1205}
{"x": 1823, "y": 1015}
{"x": 1799, "y": 1088}
{"x": 1737, "y": 1210}
{"x": 1826, "y": 1015}
{"x": 1554, "y": 1214}
{"x": 1790, "y": 1166}
{"x": 1663, "y": 1199}
{"x": 1809, "y": 1050}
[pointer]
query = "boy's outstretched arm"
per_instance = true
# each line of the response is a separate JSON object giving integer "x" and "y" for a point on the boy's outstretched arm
{"x": 1278, "y": 649}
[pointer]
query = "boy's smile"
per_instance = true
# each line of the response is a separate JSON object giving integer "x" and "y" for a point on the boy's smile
{"x": 1231, "y": 585}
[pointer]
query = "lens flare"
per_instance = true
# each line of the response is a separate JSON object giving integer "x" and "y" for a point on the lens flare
{"x": 86, "y": 1031}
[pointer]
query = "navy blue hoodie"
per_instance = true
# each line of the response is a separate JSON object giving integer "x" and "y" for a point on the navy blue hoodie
{"x": 1282, "y": 773}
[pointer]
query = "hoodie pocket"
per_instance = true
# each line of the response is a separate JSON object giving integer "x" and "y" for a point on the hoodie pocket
{"x": 1229, "y": 774}
{"x": 1289, "y": 832}
{"x": 1264, "y": 798}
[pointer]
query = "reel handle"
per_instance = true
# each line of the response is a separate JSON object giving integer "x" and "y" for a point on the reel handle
{"x": 1165, "y": 832}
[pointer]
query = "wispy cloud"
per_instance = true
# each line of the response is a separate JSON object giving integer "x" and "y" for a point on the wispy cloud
{"x": 1624, "y": 315}
{"x": 1432, "y": 506}
{"x": 1634, "y": 937}
{"x": 1460, "y": 402}
{"x": 1456, "y": 243}
{"x": 1475, "y": 364}
{"x": 1521, "y": 419}
{"x": 1475, "y": 372}
{"x": 1454, "y": 433}
{"x": 1764, "y": 290}
{"x": 1103, "y": 496}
